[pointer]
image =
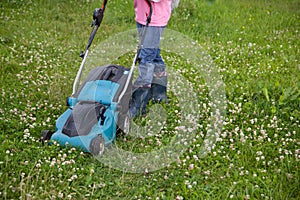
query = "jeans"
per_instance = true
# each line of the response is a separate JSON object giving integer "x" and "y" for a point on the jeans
{"x": 151, "y": 82}
{"x": 151, "y": 62}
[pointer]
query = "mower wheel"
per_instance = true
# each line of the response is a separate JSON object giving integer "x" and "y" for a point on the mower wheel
{"x": 46, "y": 135}
{"x": 124, "y": 127}
{"x": 97, "y": 146}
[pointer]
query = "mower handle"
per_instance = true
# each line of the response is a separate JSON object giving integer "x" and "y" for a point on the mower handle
{"x": 140, "y": 46}
{"x": 97, "y": 16}
{"x": 150, "y": 12}
{"x": 144, "y": 29}
{"x": 103, "y": 5}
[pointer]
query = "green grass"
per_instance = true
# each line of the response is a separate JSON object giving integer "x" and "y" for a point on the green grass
{"x": 255, "y": 48}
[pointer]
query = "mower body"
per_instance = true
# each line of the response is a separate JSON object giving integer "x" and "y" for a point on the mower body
{"x": 95, "y": 112}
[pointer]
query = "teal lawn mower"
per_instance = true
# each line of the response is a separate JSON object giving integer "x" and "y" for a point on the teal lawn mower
{"x": 98, "y": 108}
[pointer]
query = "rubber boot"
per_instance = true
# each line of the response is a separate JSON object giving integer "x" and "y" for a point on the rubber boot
{"x": 139, "y": 101}
{"x": 158, "y": 91}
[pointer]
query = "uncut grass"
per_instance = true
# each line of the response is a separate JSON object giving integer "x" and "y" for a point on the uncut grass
{"x": 255, "y": 46}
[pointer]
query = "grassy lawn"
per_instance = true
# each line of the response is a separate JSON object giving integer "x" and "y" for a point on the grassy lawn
{"x": 253, "y": 49}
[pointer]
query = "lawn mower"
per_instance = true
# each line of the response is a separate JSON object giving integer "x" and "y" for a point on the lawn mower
{"x": 97, "y": 108}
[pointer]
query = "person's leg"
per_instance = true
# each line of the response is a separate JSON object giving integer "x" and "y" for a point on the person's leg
{"x": 146, "y": 67}
{"x": 158, "y": 91}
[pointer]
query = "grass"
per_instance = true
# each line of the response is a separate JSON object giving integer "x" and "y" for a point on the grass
{"x": 255, "y": 48}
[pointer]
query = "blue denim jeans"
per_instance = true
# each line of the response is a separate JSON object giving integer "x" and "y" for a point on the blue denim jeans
{"x": 151, "y": 82}
{"x": 151, "y": 61}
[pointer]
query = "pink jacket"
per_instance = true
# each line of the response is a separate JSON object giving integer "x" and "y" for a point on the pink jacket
{"x": 160, "y": 15}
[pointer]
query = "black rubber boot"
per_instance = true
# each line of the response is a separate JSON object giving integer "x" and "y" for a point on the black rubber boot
{"x": 139, "y": 101}
{"x": 158, "y": 91}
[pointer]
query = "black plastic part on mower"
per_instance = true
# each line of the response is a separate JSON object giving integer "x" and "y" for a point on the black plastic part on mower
{"x": 46, "y": 135}
{"x": 97, "y": 146}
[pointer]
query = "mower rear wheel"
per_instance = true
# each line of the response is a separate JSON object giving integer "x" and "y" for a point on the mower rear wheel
{"x": 46, "y": 135}
{"x": 97, "y": 146}
{"x": 126, "y": 125}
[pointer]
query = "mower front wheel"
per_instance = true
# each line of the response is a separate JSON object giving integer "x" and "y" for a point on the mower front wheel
{"x": 46, "y": 135}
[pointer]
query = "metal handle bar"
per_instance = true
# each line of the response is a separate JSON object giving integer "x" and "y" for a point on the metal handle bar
{"x": 140, "y": 46}
{"x": 97, "y": 16}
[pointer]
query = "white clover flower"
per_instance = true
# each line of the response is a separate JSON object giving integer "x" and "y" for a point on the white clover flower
{"x": 60, "y": 195}
{"x": 281, "y": 157}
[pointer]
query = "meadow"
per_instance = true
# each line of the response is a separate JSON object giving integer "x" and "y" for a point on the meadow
{"x": 254, "y": 48}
